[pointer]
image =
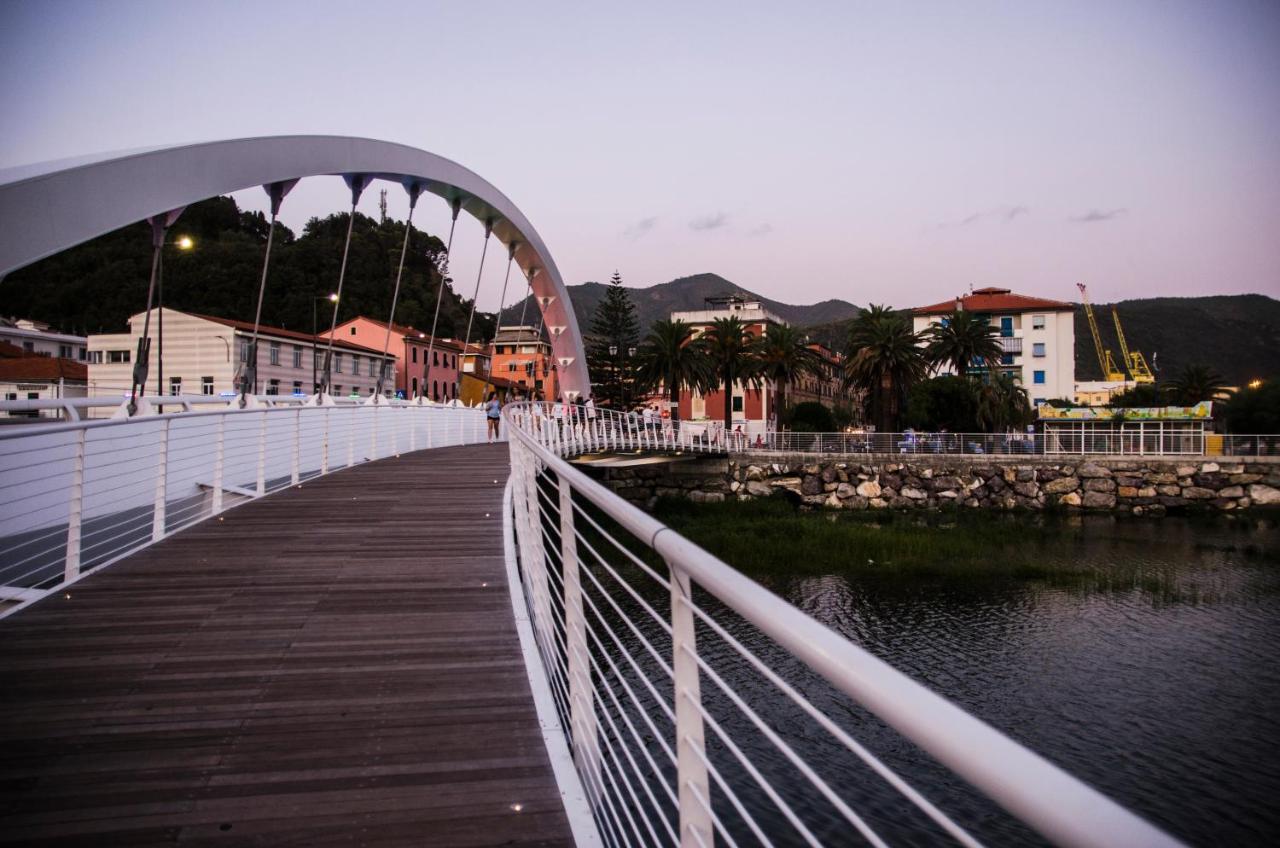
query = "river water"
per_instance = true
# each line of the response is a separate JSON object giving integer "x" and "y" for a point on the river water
{"x": 1160, "y": 687}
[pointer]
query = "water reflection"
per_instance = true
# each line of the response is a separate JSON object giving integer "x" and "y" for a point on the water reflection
{"x": 1145, "y": 665}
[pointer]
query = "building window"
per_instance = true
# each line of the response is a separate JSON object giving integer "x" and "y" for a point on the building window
{"x": 355, "y": 365}
{"x": 11, "y": 396}
{"x": 244, "y": 350}
{"x": 353, "y": 331}
{"x": 372, "y": 371}
{"x": 1037, "y": 349}
{"x": 273, "y": 388}
{"x": 95, "y": 357}
{"x": 737, "y": 403}
{"x": 29, "y": 347}
{"x": 297, "y": 387}
{"x": 297, "y": 356}
{"x": 435, "y": 357}
{"x": 337, "y": 363}
{"x": 118, "y": 356}
{"x": 1038, "y": 402}
{"x": 415, "y": 386}
{"x": 435, "y": 390}
{"x": 275, "y": 353}
{"x": 81, "y": 354}
{"x": 1037, "y": 377}
{"x": 175, "y": 386}
{"x": 64, "y": 351}
{"x": 206, "y": 385}
{"x": 1006, "y": 359}
{"x": 415, "y": 355}
{"x": 1037, "y": 322}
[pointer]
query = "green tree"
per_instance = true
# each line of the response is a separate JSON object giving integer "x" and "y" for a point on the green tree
{"x": 1143, "y": 394}
{"x": 614, "y": 334}
{"x": 884, "y": 358}
{"x": 1254, "y": 409}
{"x": 1002, "y": 404}
{"x": 670, "y": 357}
{"x": 812, "y": 417}
{"x": 729, "y": 348}
{"x": 782, "y": 355}
{"x": 944, "y": 403}
{"x": 1194, "y": 384}
{"x": 964, "y": 341}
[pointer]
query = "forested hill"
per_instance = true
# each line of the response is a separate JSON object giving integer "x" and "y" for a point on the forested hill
{"x": 1236, "y": 335}
{"x": 686, "y": 293}
{"x": 96, "y": 286}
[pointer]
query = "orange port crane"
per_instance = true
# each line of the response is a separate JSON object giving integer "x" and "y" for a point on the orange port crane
{"x": 1105, "y": 360}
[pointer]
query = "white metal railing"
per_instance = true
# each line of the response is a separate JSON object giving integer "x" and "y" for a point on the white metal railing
{"x": 644, "y": 637}
{"x": 79, "y": 495}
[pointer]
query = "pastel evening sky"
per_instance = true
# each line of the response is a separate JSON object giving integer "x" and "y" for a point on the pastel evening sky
{"x": 887, "y": 152}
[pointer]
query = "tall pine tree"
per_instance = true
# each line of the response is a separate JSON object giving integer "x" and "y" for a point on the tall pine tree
{"x": 615, "y": 333}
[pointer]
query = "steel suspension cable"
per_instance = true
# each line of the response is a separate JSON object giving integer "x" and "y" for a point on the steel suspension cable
{"x": 357, "y": 184}
{"x": 456, "y": 207}
{"x": 502, "y": 302}
{"x": 415, "y": 189}
{"x": 249, "y": 376}
{"x": 466, "y": 343}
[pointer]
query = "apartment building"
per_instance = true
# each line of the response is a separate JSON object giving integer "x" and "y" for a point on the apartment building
{"x": 415, "y": 376}
{"x": 35, "y": 338}
{"x": 207, "y": 355}
{"x": 754, "y": 408}
{"x": 1037, "y": 337}
{"x": 523, "y": 357}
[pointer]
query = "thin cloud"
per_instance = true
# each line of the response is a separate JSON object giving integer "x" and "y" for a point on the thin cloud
{"x": 762, "y": 230}
{"x": 1005, "y": 214}
{"x": 640, "y": 228}
{"x": 709, "y": 222}
{"x": 1094, "y": 216}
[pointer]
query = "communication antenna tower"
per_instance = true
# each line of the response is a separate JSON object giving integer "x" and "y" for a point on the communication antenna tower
{"x": 382, "y": 206}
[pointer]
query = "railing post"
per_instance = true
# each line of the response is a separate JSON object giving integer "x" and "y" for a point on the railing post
{"x": 691, "y": 770}
{"x": 75, "y": 511}
{"x": 218, "y": 455}
{"x": 324, "y": 447}
{"x": 373, "y": 450}
{"x": 351, "y": 436}
{"x": 582, "y": 712}
{"x": 261, "y": 488}
{"x": 162, "y": 479}
{"x": 415, "y": 412}
{"x": 297, "y": 446}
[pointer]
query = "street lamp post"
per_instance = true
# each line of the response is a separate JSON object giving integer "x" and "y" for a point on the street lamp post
{"x": 182, "y": 243}
{"x": 315, "y": 336}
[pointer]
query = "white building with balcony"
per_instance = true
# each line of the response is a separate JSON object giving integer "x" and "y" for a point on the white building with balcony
{"x": 1037, "y": 337}
{"x": 35, "y": 338}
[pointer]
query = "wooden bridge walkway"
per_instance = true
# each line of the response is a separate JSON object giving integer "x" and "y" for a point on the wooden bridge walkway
{"x": 336, "y": 664}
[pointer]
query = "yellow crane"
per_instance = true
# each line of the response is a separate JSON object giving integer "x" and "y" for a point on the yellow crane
{"x": 1107, "y": 363}
{"x": 1133, "y": 360}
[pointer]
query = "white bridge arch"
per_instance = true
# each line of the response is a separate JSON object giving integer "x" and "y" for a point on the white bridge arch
{"x": 52, "y": 206}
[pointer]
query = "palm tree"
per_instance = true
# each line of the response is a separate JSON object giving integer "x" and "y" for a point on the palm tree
{"x": 884, "y": 357}
{"x": 1002, "y": 404}
{"x": 729, "y": 349}
{"x": 963, "y": 340}
{"x": 669, "y": 357}
{"x": 782, "y": 355}
{"x": 1194, "y": 384}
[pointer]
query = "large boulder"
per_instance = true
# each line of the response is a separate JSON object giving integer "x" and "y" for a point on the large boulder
{"x": 844, "y": 490}
{"x": 1197, "y": 493}
{"x": 1264, "y": 495}
{"x": 1070, "y": 499}
{"x": 913, "y": 493}
{"x": 792, "y": 483}
{"x": 869, "y": 489}
{"x": 1098, "y": 500}
{"x": 1062, "y": 485}
{"x": 706, "y": 497}
{"x": 759, "y": 488}
{"x": 812, "y": 485}
{"x": 1092, "y": 469}
{"x": 1099, "y": 484}
{"x": 1026, "y": 489}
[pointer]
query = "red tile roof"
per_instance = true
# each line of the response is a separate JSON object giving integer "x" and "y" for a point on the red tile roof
{"x": 995, "y": 300}
{"x": 42, "y": 368}
{"x": 247, "y": 326}
{"x": 411, "y": 333}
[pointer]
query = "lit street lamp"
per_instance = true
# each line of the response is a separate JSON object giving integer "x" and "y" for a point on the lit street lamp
{"x": 315, "y": 337}
{"x": 183, "y": 243}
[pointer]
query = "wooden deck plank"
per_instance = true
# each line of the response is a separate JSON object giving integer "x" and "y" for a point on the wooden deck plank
{"x": 334, "y": 664}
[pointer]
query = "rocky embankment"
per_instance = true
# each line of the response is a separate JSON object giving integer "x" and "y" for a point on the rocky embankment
{"x": 1139, "y": 487}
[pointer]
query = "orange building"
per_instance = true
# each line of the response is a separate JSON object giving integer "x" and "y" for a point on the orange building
{"x": 523, "y": 357}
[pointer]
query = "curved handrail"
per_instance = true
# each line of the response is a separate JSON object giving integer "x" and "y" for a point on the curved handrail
{"x": 1062, "y": 808}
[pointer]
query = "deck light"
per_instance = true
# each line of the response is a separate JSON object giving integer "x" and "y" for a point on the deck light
{"x": 185, "y": 243}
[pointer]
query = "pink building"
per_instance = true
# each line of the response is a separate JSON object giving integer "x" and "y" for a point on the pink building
{"x": 415, "y": 377}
